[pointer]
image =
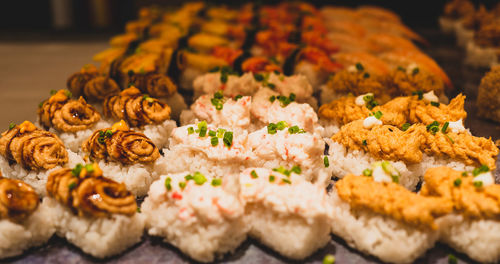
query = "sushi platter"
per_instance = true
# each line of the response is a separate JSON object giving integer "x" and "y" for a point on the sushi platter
{"x": 282, "y": 133}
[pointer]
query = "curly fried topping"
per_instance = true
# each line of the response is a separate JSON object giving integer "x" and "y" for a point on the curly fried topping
{"x": 384, "y": 142}
{"x": 405, "y": 82}
{"x": 155, "y": 84}
{"x": 466, "y": 198}
{"x": 474, "y": 20}
{"x": 67, "y": 115}
{"x": 125, "y": 146}
{"x": 77, "y": 81}
{"x": 88, "y": 193}
{"x": 358, "y": 82}
{"x": 488, "y": 96}
{"x": 32, "y": 148}
{"x": 18, "y": 200}
{"x": 343, "y": 110}
{"x": 100, "y": 87}
{"x": 488, "y": 35}
{"x": 135, "y": 108}
{"x": 391, "y": 199}
{"x": 458, "y": 8}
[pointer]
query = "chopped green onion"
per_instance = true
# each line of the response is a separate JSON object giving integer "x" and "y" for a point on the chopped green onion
{"x": 212, "y": 133}
{"x": 377, "y": 114}
{"x": 108, "y": 133}
{"x": 281, "y": 125}
{"x": 449, "y": 138}
{"x": 282, "y": 170}
{"x": 359, "y": 67}
{"x": 168, "y": 184}
{"x": 12, "y": 125}
{"x": 366, "y": 75}
{"x": 214, "y": 141}
{"x": 433, "y": 127}
{"x": 138, "y": 209}
{"x": 457, "y": 182}
{"x": 223, "y": 78}
{"x": 326, "y": 162}
{"x": 68, "y": 93}
{"x": 272, "y": 98}
{"x": 258, "y": 77}
{"x": 203, "y": 128}
{"x": 452, "y": 259}
{"x": 271, "y": 128}
{"x": 478, "y": 184}
{"x": 254, "y": 175}
{"x": 399, "y": 68}
{"x": 216, "y": 182}
{"x": 296, "y": 169}
{"x": 220, "y": 132}
{"x": 76, "y": 171}
{"x": 271, "y": 85}
{"x": 89, "y": 168}
{"x": 238, "y": 97}
{"x": 464, "y": 174}
{"x": 364, "y": 142}
{"x": 480, "y": 170}
{"x": 215, "y": 69}
{"x": 415, "y": 71}
{"x": 271, "y": 178}
{"x": 72, "y": 185}
{"x": 395, "y": 178}
{"x": 190, "y": 130}
{"x": 436, "y": 104}
{"x": 199, "y": 178}
{"x": 52, "y": 92}
{"x": 445, "y": 127}
{"x": 188, "y": 177}
{"x": 285, "y": 180}
{"x": 228, "y": 139}
{"x": 182, "y": 185}
{"x": 405, "y": 126}
{"x": 367, "y": 172}
{"x": 420, "y": 94}
{"x": 329, "y": 259}
{"x": 218, "y": 95}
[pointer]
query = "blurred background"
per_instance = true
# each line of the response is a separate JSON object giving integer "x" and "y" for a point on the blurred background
{"x": 42, "y": 42}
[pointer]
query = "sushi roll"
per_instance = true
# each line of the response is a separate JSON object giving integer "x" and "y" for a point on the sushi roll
{"x": 209, "y": 149}
{"x": 125, "y": 155}
{"x": 220, "y": 111}
{"x": 384, "y": 219}
{"x": 284, "y": 211}
{"x": 410, "y": 151}
{"x": 454, "y": 11}
{"x": 24, "y": 221}
{"x": 488, "y": 98}
{"x": 281, "y": 144}
{"x": 29, "y": 154}
{"x": 146, "y": 114}
{"x": 483, "y": 51}
{"x": 91, "y": 84}
{"x": 473, "y": 226}
{"x": 95, "y": 213}
{"x": 195, "y": 214}
{"x": 422, "y": 108}
{"x": 72, "y": 120}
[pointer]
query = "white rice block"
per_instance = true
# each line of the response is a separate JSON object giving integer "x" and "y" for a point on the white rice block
{"x": 203, "y": 221}
{"x": 481, "y": 57}
{"x": 479, "y": 239}
{"x": 448, "y": 25}
{"x": 188, "y": 76}
{"x": 378, "y": 235}
{"x": 159, "y": 133}
{"x": 464, "y": 36}
{"x": 291, "y": 218}
{"x": 176, "y": 103}
{"x": 37, "y": 179}
{"x": 327, "y": 94}
{"x": 314, "y": 74}
{"x": 137, "y": 177}
{"x": 284, "y": 149}
{"x": 99, "y": 237}
{"x": 330, "y": 127}
{"x": 34, "y": 231}
{"x": 74, "y": 141}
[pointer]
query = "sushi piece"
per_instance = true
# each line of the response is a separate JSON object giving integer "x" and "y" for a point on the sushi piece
{"x": 454, "y": 11}
{"x": 24, "y": 222}
{"x": 423, "y": 108}
{"x": 384, "y": 219}
{"x": 197, "y": 64}
{"x": 146, "y": 114}
{"x": 488, "y": 98}
{"x": 473, "y": 226}
{"x": 411, "y": 152}
{"x": 91, "y": 85}
{"x": 195, "y": 214}
{"x": 209, "y": 149}
{"x": 72, "y": 120}
{"x": 484, "y": 50}
{"x": 93, "y": 212}
{"x": 29, "y": 154}
{"x": 218, "y": 110}
{"x": 284, "y": 211}
{"x": 281, "y": 144}
{"x": 125, "y": 155}
{"x": 464, "y": 30}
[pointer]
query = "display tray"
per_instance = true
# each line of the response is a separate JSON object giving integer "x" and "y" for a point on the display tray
{"x": 153, "y": 250}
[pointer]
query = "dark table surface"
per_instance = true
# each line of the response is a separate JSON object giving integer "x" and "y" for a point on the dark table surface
{"x": 30, "y": 70}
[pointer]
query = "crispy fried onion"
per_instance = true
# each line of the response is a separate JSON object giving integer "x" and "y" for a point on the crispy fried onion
{"x": 68, "y": 115}
{"x": 127, "y": 147}
{"x": 32, "y": 148}
{"x": 18, "y": 200}
{"x": 136, "y": 109}
{"x": 90, "y": 194}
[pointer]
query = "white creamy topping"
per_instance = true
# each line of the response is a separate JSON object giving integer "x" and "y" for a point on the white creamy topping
{"x": 457, "y": 126}
{"x": 486, "y": 178}
{"x": 379, "y": 175}
{"x": 410, "y": 68}
{"x": 430, "y": 97}
{"x": 360, "y": 101}
{"x": 352, "y": 68}
{"x": 371, "y": 121}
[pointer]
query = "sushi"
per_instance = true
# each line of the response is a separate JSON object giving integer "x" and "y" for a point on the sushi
{"x": 92, "y": 211}
{"x": 125, "y": 155}
{"x": 487, "y": 101}
{"x": 195, "y": 214}
{"x": 29, "y": 154}
{"x": 24, "y": 221}
{"x": 72, "y": 120}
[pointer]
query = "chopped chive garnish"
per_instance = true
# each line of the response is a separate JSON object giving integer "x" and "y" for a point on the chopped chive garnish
{"x": 258, "y": 77}
{"x": 445, "y": 127}
{"x": 452, "y": 259}
{"x": 399, "y": 68}
{"x": 52, "y": 92}
{"x": 12, "y": 125}
{"x": 76, "y": 171}
{"x": 282, "y": 170}
{"x": 215, "y": 69}
{"x": 478, "y": 184}
{"x": 395, "y": 178}
{"x": 359, "y": 66}
{"x": 108, "y": 133}
{"x": 285, "y": 180}
{"x": 480, "y": 170}
{"x": 216, "y": 182}
{"x": 296, "y": 169}
{"x": 366, "y": 75}
{"x": 271, "y": 128}
{"x": 188, "y": 177}
{"x": 405, "y": 126}
{"x": 420, "y": 94}
{"x": 238, "y": 97}
{"x": 377, "y": 114}
{"x": 199, "y": 178}
{"x": 272, "y": 98}
{"x": 296, "y": 130}
{"x": 89, "y": 168}
{"x": 220, "y": 132}
{"x": 457, "y": 182}
{"x": 214, "y": 141}
{"x": 182, "y": 185}
{"x": 72, "y": 185}
{"x": 223, "y": 78}
{"x": 218, "y": 95}
{"x": 254, "y": 175}
{"x": 281, "y": 125}
{"x": 212, "y": 133}
{"x": 168, "y": 184}
{"x": 464, "y": 174}
{"x": 272, "y": 178}
{"x": 228, "y": 139}
{"x": 326, "y": 162}
{"x": 190, "y": 130}
{"x": 202, "y": 126}
{"x": 370, "y": 102}
{"x": 138, "y": 209}
{"x": 364, "y": 142}
{"x": 329, "y": 259}
{"x": 450, "y": 139}
{"x": 367, "y": 172}
{"x": 433, "y": 127}
{"x": 271, "y": 85}
{"x": 415, "y": 71}
{"x": 436, "y": 104}
{"x": 68, "y": 93}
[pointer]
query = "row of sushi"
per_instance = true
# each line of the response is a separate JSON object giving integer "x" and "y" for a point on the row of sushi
{"x": 476, "y": 29}
{"x": 205, "y": 49}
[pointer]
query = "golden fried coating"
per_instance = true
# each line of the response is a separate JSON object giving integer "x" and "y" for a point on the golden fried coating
{"x": 458, "y": 8}
{"x": 343, "y": 110}
{"x": 359, "y": 82}
{"x": 77, "y": 81}
{"x": 488, "y": 97}
{"x": 100, "y": 87}
{"x": 18, "y": 200}
{"x": 403, "y": 83}
{"x": 488, "y": 35}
